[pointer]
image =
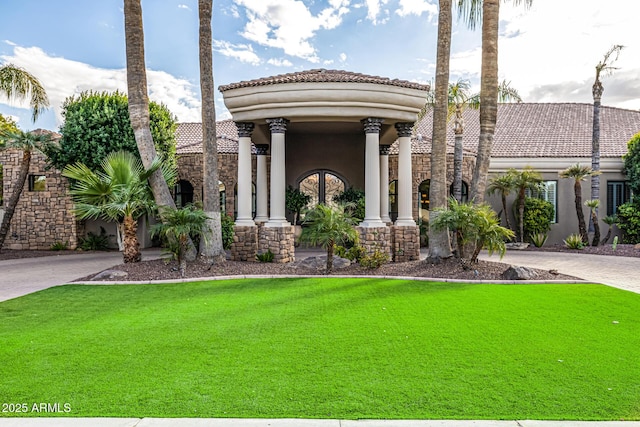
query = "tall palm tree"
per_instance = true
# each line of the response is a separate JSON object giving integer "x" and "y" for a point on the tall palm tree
{"x": 27, "y": 142}
{"x": 489, "y": 10}
{"x": 328, "y": 226}
{"x": 579, "y": 173}
{"x": 439, "y": 244}
{"x": 19, "y": 84}
{"x": 211, "y": 247}
{"x": 604, "y": 67}
{"x": 526, "y": 179}
{"x": 119, "y": 193}
{"x": 502, "y": 184}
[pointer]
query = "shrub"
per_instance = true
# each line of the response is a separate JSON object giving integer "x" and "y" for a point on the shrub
{"x": 629, "y": 221}
{"x": 574, "y": 241}
{"x": 95, "y": 242}
{"x": 353, "y": 254}
{"x": 60, "y": 246}
{"x": 538, "y": 215}
{"x": 227, "y": 231}
{"x": 265, "y": 256}
{"x": 296, "y": 201}
{"x": 354, "y": 201}
{"x": 538, "y": 239}
{"x": 375, "y": 259}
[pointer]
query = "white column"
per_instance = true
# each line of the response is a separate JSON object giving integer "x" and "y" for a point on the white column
{"x": 244, "y": 175}
{"x": 278, "y": 177}
{"x": 372, "y": 173}
{"x": 384, "y": 184}
{"x": 405, "y": 215}
{"x": 262, "y": 191}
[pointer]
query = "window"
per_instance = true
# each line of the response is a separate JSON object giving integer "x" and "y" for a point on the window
{"x": 464, "y": 193}
{"x": 393, "y": 200}
{"x": 183, "y": 193}
{"x": 235, "y": 200}
{"x": 618, "y": 193}
{"x": 548, "y": 192}
{"x": 223, "y": 197}
{"x": 423, "y": 200}
{"x": 37, "y": 183}
{"x": 322, "y": 186}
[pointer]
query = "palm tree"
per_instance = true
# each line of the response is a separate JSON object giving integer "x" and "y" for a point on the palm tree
{"x": 579, "y": 173}
{"x": 211, "y": 247}
{"x": 177, "y": 226}
{"x": 502, "y": 184}
{"x": 610, "y": 220}
{"x": 526, "y": 179}
{"x": 604, "y": 67}
{"x": 439, "y": 244}
{"x": 120, "y": 193}
{"x": 489, "y": 10}
{"x": 593, "y": 205}
{"x": 27, "y": 142}
{"x": 19, "y": 84}
{"x": 328, "y": 226}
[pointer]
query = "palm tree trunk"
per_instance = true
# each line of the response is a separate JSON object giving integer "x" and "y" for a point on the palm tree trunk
{"x": 211, "y": 246}
{"x": 457, "y": 168}
{"x": 521, "y": 213}
{"x": 330, "y": 247}
{"x": 596, "y": 227}
{"x": 12, "y": 203}
{"x": 597, "y": 90}
{"x": 488, "y": 97}
{"x": 582, "y": 226}
{"x": 504, "y": 209}
{"x": 439, "y": 244}
{"x": 607, "y": 236}
{"x": 131, "y": 251}
{"x": 139, "y": 103}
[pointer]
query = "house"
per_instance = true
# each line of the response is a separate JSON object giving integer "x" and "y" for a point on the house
{"x": 325, "y": 130}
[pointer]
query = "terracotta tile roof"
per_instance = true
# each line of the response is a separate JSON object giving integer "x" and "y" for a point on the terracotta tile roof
{"x": 321, "y": 75}
{"x": 189, "y": 137}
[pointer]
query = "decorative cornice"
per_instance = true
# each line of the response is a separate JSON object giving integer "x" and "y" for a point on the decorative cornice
{"x": 245, "y": 129}
{"x": 372, "y": 124}
{"x": 404, "y": 129}
{"x": 261, "y": 149}
{"x": 278, "y": 125}
{"x": 384, "y": 150}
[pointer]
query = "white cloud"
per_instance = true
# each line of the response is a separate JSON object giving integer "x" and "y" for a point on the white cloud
{"x": 63, "y": 78}
{"x": 374, "y": 9}
{"x": 417, "y": 7}
{"x": 343, "y": 57}
{"x": 289, "y": 25}
{"x": 279, "y": 62}
{"x": 241, "y": 52}
{"x": 184, "y": 6}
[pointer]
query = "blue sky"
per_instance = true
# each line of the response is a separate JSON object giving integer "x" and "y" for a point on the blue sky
{"x": 547, "y": 52}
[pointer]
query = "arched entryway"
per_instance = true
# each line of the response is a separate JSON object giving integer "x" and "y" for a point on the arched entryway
{"x": 322, "y": 185}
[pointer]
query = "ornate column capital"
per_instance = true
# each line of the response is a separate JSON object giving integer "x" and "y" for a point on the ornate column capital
{"x": 261, "y": 149}
{"x": 404, "y": 128}
{"x": 372, "y": 124}
{"x": 278, "y": 125}
{"x": 245, "y": 129}
{"x": 384, "y": 150}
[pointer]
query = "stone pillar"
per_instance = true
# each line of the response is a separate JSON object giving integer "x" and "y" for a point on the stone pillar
{"x": 262, "y": 211}
{"x": 384, "y": 184}
{"x": 405, "y": 178}
{"x": 278, "y": 178}
{"x": 244, "y": 218}
{"x": 372, "y": 127}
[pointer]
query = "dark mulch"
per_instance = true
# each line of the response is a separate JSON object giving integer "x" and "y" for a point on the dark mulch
{"x": 620, "y": 250}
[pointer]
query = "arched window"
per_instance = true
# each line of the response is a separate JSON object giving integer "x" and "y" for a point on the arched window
{"x": 423, "y": 199}
{"x": 223, "y": 197}
{"x": 253, "y": 200}
{"x": 322, "y": 186}
{"x": 183, "y": 193}
{"x": 464, "y": 194}
{"x": 393, "y": 200}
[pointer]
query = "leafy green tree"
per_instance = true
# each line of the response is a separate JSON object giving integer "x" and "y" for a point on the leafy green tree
{"x": 7, "y": 125}
{"x": 329, "y": 226}
{"x": 538, "y": 214}
{"x": 629, "y": 221}
{"x": 295, "y": 201}
{"x": 178, "y": 226}
{"x": 579, "y": 173}
{"x": 19, "y": 84}
{"x": 27, "y": 142}
{"x": 353, "y": 200}
{"x": 632, "y": 163}
{"x": 118, "y": 192}
{"x": 97, "y": 123}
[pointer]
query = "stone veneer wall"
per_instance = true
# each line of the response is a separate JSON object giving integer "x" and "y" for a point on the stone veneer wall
{"x": 405, "y": 243}
{"x": 245, "y": 243}
{"x": 41, "y": 217}
{"x": 280, "y": 241}
{"x": 375, "y": 238}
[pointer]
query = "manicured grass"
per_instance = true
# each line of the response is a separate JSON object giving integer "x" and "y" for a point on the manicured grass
{"x": 325, "y": 348}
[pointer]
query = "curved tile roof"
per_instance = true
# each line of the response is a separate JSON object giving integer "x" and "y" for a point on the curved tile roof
{"x": 322, "y": 75}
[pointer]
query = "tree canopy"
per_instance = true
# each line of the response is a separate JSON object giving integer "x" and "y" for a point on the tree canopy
{"x": 97, "y": 123}
{"x": 7, "y": 125}
{"x": 632, "y": 163}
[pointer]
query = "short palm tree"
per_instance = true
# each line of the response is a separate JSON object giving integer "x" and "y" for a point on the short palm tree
{"x": 610, "y": 220}
{"x": 177, "y": 226}
{"x": 579, "y": 173}
{"x": 27, "y": 142}
{"x": 523, "y": 180}
{"x": 120, "y": 193}
{"x": 328, "y": 226}
{"x": 503, "y": 185}
{"x": 19, "y": 84}
{"x": 593, "y": 205}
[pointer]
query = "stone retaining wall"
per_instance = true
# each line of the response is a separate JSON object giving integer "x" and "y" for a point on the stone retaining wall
{"x": 405, "y": 243}
{"x": 375, "y": 238}
{"x": 280, "y": 241}
{"x": 245, "y": 243}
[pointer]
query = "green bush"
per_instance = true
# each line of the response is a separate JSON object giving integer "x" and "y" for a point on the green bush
{"x": 354, "y": 198}
{"x": 227, "y": 231}
{"x": 265, "y": 256}
{"x": 60, "y": 246}
{"x": 539, "y": 239}
{"x": 538, "y": 215}
{"x": 353, "y": 254}
{"x": 574, "y": 241}
{"x": 629, "y": 221}
{"x": 374, "y": 260}
{"x": 95, "y": 242}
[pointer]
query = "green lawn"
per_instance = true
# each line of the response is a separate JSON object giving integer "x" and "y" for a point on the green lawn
{"x": 325, "y": 348}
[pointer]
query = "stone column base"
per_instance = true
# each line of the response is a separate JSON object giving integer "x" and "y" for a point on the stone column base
{"x": 375, "y": 238}
{"x": 245, "y": 243}
{"x": 280, "y": 241}
{"x": 406, "y": 243}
